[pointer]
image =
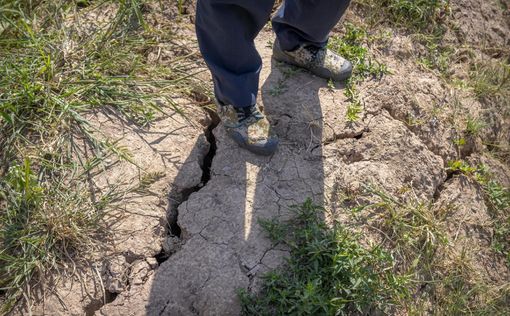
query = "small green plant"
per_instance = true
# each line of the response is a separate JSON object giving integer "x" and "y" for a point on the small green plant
{"x": 412, "y": 228}
{"x": 278, "y": 89}
{"x": 490, "y": 80}
{"x": 424, "y": 16}
{"x": 474, "y": 126}
{"x": 331, "y": 85}
{"x": 328, "y": 273}
{"x": 352, "y": 46}
{"x": 180, "y": 6}
{"x": 461, "y": 166}
{"x": 41, "y": 223}
{"x": 437, "y": 56}
{"x": 353, "y": 111}
{"x": 281, "y": 86}
{"x": 497, "y": 199}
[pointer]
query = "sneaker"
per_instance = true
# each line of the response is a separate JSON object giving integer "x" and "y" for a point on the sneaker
{"x": 320, "y": 61}
{"x": 249, "y": 128}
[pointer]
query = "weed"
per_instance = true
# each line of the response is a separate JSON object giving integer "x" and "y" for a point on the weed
{"x": 459, "y": 291}
{"x": 41, "y": 222}
{"x": 180, "y": 6}
{"x": 331, "y": 85}
{"x": 437, "y": 56}
{"x": 425, "y": 19}
{"x": 415, "y": 234}
{"x": 278, "y": 89}
{"x": 352, "y": 47}
{"x": 281, "y": 86}
{"x": 497, "y": 198}
{"x": 412, "y": 228}
{"x": 490, "y": 81}
{"x": 461, "y": 166}
{"x": 413, "y": 270}
{"x": 353, "y": 111}
{"x": 474, "y": 126}
{"x": 424, "y": 16}
{"x": 328, "y": 272}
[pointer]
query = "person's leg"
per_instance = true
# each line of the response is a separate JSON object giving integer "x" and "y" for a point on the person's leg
{"x": 226, "y": 30}
{"x": 299, "y": 22}
{"x": 302, "y": 28}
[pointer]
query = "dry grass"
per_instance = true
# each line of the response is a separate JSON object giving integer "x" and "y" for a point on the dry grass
{"x": 60, "y": 60}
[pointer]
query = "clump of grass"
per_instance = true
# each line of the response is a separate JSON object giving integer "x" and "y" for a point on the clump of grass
{"x": 474, "y": 126}
{"x": 438, "y": 56}
{"x": 424, "y": 16}
{"x": 41, "y": 224}
{"x": 51, "y": 75}
{"x": 352, "y": 46}
{"x": 443, "y": 280}
{"x": 328, "y": 273}
{"x": 497, "y": 198}
{"x": 490, "y": 81}
{"x": 425, "y": 19}
{"x": 458, "y": 290}
{"x": 412, "y": 228}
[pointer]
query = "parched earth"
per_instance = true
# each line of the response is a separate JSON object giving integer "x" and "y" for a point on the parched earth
{"x": 188, "y": 245}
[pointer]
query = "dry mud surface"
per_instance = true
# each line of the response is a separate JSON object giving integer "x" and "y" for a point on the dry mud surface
{"x": 219, "y": 247}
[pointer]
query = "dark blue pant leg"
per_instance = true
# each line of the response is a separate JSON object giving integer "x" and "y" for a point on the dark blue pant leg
{"x": 226, "y": 30}
{"x": 307, "y": 21}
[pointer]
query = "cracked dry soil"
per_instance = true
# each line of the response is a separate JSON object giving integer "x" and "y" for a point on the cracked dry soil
{"x": 186, "y": 248}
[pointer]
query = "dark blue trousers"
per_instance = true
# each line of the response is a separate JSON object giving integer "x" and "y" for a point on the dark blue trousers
{"x": 226, "y": 30}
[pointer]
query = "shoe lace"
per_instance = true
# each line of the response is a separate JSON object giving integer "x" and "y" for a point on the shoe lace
{"x": 248, "y": 114}
{"x": 314, "y": 52}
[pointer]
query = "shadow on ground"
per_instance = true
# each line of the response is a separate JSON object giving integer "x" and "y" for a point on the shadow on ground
{"x": 223, "y": 247}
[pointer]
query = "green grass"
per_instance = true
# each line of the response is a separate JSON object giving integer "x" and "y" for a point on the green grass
{"x": 490, "y": 81}
{"x": 412, "y": 229}
{"x": 423, "y": 16}
{"x": 413, "y": 269}
{"x": 474, "y": 126}
{"x": 52, "y": 73}
{"x": 329, "y": 272}
{"x": 425, "y": 20}
{"x": 443, "y": 280}
{"x": 438, "y": 56}
{"x": 497, "y": 199}
{"x": 458, "y": 290}
{"x": 281, "y": 85}
{"x": 42, "y": 224}
{"x": 353, "y": 47}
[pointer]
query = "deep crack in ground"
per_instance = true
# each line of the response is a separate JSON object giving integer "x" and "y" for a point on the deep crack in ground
{"x": 173, "y": 228}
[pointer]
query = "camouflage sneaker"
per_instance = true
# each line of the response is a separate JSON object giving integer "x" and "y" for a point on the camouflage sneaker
{"x": 249, "y": 128}
{"x": 320, "y": 61}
